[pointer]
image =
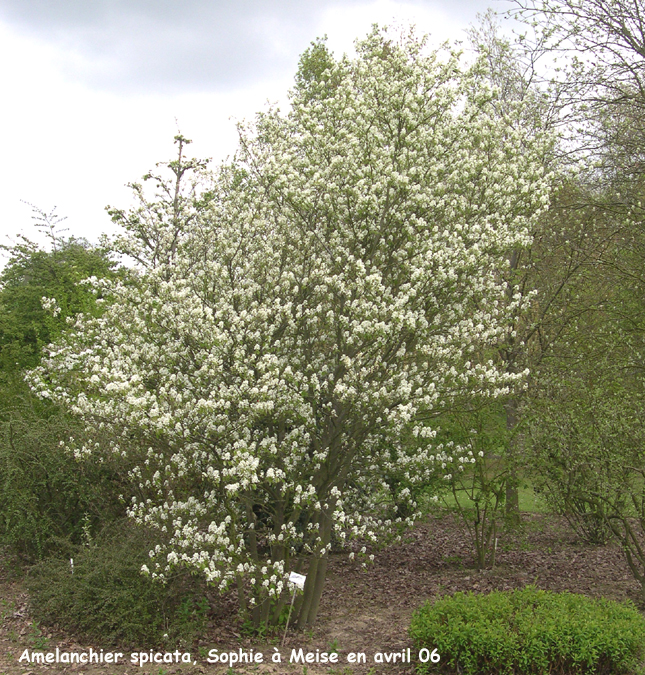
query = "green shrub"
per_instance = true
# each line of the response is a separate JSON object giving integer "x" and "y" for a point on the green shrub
{"x": 48, "y": 500}
{"x": 530, "y": 632}
{"x": 105, "y": 597}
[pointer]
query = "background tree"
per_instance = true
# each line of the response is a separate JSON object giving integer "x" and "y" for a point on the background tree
{"x": 40, "y": 290}
{"x": 547, "y": 274}
{"x": 587, "y": 422}
{"x": 47, "y": 502}
{"x": 600, "y": 45}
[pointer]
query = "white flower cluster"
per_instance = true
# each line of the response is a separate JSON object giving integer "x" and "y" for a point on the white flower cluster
{"x": 342, "y": 285}
{"x": 50, "y": 305}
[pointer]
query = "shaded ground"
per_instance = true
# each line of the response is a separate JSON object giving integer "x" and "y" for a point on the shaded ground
{"x": 362, "y": 610}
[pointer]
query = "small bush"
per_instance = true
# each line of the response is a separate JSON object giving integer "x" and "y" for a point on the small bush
{"x": 531, "y": 632}
{"x": 107, "y": 598}
{"x": 48, "y": 500}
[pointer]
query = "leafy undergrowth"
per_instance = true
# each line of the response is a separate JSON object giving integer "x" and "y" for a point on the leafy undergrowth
{"x": 101, "y": 594}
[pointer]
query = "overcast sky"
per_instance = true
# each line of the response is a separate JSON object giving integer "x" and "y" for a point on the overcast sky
{"x": 93, "y": 91}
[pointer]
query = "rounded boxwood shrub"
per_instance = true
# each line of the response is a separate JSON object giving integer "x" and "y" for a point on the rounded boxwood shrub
{"x": 530, "y": 632}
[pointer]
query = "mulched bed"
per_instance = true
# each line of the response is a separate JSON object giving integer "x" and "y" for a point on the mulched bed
{"x": 369, "y": 610}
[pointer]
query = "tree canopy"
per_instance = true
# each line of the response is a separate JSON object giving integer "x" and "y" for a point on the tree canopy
{"x": 40, "y": 290}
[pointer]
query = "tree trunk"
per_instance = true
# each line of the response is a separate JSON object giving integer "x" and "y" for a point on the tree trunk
{"x": 321, "y": 574}
{"x": 512, "y": 482}
{"x": 315, "y": 577}
{"x": 308, "y": 594}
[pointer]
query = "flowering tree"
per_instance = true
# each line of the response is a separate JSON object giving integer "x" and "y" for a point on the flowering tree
{"x": 340, "y": 285}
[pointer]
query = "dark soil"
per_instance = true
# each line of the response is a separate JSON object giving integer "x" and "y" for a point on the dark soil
{"x": 363, "y": 610}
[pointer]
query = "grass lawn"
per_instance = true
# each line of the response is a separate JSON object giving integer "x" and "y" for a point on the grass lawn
{"x": 530, "y": 501}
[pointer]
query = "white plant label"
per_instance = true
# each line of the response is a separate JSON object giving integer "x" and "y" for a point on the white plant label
{"x": 298, "y": 580}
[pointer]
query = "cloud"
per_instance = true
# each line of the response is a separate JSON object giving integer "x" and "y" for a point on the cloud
{"x": 92, "y": 88}
{"x": 168, "y": 46}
